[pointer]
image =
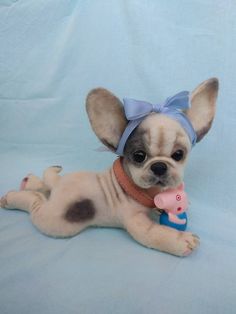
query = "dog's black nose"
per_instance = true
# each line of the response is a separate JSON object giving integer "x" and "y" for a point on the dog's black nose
{"x": 159, "y": 168}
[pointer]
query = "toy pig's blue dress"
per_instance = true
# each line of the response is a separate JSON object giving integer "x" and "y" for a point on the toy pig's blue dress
{"x": 164, "y": 220}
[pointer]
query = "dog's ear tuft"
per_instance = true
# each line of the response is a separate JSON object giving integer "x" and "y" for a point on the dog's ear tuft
{"x": 203, "y": 104}
{"x": 106, "y": 115}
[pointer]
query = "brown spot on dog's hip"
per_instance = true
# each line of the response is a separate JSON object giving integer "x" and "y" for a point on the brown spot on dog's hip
{"x": 80, "y": 211}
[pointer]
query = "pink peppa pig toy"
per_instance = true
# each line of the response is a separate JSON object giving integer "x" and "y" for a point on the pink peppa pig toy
{"x": 174, "y": 203}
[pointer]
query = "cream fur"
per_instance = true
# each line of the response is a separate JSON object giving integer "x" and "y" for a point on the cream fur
{"x": 113, "y": 209}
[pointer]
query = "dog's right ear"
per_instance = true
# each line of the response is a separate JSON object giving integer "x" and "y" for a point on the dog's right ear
{"x": 203, "y": 106}
{"x": 107, "y": 117}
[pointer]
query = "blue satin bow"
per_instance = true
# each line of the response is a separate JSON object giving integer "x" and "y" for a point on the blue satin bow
{"x": 136, "y": 111}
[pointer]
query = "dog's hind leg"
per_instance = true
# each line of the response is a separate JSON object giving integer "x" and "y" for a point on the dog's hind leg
{"x": 24, "y": 200}
{"x": 49, "y": 216}
{"x": 51, "y": 177}
{"x": 34, "y": 183}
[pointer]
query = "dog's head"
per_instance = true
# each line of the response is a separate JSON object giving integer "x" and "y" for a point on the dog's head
{"x": 156, "y": 152}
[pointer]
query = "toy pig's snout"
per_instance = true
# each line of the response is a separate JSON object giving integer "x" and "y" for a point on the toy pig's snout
{"x": 159, "y": 201}
{"x": 172, "y": 201}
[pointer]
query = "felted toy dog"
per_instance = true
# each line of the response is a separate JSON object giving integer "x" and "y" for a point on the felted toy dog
{"x": 153, "y": 142}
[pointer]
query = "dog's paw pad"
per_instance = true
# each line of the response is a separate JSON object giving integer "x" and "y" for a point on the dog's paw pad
{"x": 23, "y": 183}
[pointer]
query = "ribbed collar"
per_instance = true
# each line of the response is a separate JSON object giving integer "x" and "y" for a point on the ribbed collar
{"x": 142, "y": 196}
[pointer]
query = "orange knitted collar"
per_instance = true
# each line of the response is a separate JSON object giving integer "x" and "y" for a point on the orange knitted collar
{"x": 143, "y": 196}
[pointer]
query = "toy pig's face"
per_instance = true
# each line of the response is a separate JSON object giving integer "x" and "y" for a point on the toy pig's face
{"x": 174, "y": 200}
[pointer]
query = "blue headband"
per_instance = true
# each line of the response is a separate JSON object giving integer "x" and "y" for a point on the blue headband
{"x": 136, "y": 111}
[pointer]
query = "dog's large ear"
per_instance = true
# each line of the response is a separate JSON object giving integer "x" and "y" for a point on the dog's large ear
{"x": 106, "y": 115}
{"x": 203, "y": 104}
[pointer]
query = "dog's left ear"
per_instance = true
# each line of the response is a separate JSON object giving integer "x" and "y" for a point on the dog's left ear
{"x": 107, "y": 117}
{"x": 203, "y": 104}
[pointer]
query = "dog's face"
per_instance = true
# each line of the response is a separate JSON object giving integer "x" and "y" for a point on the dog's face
{"x": 155, "y": 154}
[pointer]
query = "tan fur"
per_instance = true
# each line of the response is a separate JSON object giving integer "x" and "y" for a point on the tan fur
{"x": 110, "y": 205}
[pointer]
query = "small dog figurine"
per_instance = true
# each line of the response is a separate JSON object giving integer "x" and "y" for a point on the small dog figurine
{"x": 153, "y": 142}
{"x": 174, "y": 203}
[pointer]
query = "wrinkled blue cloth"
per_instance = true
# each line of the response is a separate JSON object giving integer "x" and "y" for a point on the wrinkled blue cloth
{"x": 51, "y": 54}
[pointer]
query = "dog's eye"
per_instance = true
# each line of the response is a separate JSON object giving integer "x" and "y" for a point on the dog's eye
{"x": 139, "y": 156}
{"x": 178, "y": 155}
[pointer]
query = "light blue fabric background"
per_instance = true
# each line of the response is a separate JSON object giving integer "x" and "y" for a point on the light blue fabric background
{"x": 51, "y": 54}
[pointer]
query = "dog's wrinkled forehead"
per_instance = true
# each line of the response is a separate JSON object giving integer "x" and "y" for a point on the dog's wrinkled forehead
{"x": 158, "y": 135}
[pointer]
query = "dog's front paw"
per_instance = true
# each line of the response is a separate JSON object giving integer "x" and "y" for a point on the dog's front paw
{"x": 186, "y": 243}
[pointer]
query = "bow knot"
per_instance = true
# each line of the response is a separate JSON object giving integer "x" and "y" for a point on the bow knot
{"x": 135, "y": 109}
{"x": 156, "y": 108}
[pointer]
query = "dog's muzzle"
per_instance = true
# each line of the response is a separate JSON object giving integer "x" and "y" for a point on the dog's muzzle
{"x": 159, "y": 168}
